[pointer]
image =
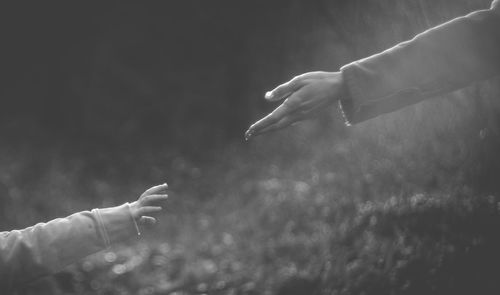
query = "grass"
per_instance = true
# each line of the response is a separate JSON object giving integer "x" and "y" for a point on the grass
{"x": 404, "y": 204}
{"x": 295, "y": 213}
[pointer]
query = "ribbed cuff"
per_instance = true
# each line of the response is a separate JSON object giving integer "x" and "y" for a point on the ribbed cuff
{"x": 346, "y": 104}
{"x": 116, "y": 224}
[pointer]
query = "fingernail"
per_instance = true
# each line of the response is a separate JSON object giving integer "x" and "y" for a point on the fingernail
{"x": 268, "y": 95}
{"x": 248, "y": 134}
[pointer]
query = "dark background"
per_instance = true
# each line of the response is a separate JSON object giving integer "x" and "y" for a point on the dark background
{"x": 101, "y": 100}
{"x": 183, "y": 72}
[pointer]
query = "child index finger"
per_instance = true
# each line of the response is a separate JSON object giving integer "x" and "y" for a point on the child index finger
{"x": 156, "y": 189}
{"x": 154, "y": 198}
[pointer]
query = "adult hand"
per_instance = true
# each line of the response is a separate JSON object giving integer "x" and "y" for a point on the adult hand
{"x": 148, "y": 203}
{"x": 304, "y": 96}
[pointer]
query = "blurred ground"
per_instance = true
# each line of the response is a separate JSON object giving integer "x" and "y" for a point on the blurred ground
{"x": 125, "y": 96}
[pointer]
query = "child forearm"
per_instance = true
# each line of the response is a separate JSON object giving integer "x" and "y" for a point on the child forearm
{"x": 48, "y": 247}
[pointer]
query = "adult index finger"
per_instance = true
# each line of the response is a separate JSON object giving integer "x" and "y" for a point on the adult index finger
{"x": 274, "y": 117}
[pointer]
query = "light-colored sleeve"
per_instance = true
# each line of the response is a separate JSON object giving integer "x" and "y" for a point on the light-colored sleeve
{"x": 440, "y": 60}
{"x": 46, "y": 248}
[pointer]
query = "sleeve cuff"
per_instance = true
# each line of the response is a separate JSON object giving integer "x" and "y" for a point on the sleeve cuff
{"x": 116, "y": 224}
{"x": 346, "y": 103}
{"x": 360, "y": 105}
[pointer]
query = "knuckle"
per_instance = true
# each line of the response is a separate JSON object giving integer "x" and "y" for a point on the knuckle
{"x": 296, "y": 79}
{"x": 292, "y": 103}
{"x": 289, "y": 102}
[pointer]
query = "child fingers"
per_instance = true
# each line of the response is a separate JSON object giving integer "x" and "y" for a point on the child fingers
{"x": 149, "y": 199}
{"x": 155, "y": 189}
{"x": 147, "y": 220}
{"x": 148, "y": 209}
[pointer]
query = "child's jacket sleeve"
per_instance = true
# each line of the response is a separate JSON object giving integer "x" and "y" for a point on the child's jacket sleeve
{"x": 440, "y": 60}
{"x": 48, "y": 247}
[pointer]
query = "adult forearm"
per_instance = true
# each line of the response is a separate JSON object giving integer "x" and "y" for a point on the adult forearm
{"x": 440, "y": 60}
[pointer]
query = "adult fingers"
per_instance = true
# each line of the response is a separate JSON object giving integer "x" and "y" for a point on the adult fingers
{"x": 285, "y": 122}
{"x": 304, "y": 111}
{"x": 153, "y": 198}
{"x": 155, "y": 189}
{"x": 148, "y": 209}
{"x": 284, "y": 90}
{"x": 274, "y": 117}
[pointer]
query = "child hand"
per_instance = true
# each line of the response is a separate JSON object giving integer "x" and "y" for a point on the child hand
{"x": 148, "y": 204}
